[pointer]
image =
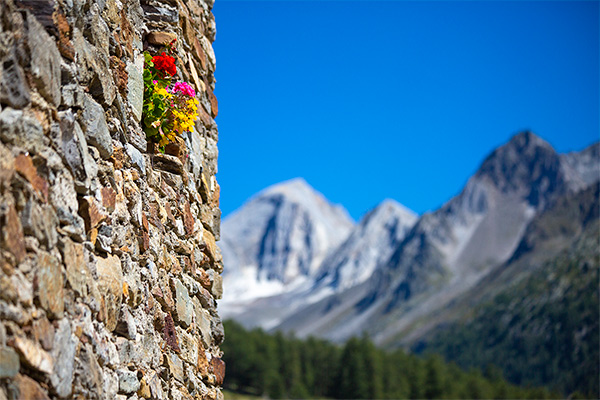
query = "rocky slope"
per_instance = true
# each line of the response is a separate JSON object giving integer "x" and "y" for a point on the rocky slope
{"x": 536, "y": 316}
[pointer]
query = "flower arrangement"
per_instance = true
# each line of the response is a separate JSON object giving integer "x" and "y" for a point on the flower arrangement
{"x": 170, "y": 108}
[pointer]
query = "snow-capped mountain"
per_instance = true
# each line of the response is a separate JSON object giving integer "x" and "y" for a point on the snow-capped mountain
{"x": 277, "y": 241}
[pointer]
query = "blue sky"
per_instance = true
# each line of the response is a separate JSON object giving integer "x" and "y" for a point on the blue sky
{"x": 395, "y": 99}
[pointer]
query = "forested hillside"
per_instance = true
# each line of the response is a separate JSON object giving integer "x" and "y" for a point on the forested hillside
{"x": 542, "y": 331}
{"x": 280, "y": 366}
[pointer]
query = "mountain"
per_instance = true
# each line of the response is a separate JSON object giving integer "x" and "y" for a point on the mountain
{"x": 368, "y": 246}
{"x": 277, "y": 241}
{"x": 448, "y": 251}
{"x": 536, "y": 317}
{"x": 296, "y": 263}
{"x": 265, "y": 289}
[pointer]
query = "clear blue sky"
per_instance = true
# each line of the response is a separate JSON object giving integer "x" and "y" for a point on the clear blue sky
{"x": 395, "y": 99}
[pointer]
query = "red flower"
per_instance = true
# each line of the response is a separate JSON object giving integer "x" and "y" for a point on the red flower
{"x": 165, "y": 63}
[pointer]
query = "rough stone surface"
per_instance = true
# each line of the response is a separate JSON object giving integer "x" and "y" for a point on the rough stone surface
{"x": 184, "y": 305}
{"x": 63, "y": 353}
{"x": 128, "y": 381}
{"x": 108, "y": 255}
{"x": 45, "y": 61}
{"x": 110, "y": 284}
{"x": 9, "y": 362}
{"x": 50, "y": 285}
{"x": 135, "y": 86}
{"x": 93, "y": 122}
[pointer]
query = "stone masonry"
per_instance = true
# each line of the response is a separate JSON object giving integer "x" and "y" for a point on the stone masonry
{"x": 109, "y": 271}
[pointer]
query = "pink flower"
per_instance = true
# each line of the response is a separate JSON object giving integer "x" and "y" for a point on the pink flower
{"x": 184, "y": 88}
{"x": 154, "y": 82}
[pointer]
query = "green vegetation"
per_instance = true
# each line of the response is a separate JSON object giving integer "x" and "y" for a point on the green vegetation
{"x": 542, "y": 331}
{"x": 281, "y": 366}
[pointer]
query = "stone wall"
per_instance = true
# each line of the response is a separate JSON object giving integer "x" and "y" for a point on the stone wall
{"x": 109, "y": 271}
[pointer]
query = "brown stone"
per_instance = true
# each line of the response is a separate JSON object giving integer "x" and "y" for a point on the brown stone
{"x": 90, "y": 213}
{"x": 170, "y": 216}
{"x": 170, "y": 333}
{"x": 188, "y": 219}
{"x": 144, "y": 241}
{"x": 120, "y": 75}
{"x": 12, "y": 233}
{"x": 29, "y": 389}
{"x": 215, "y": 200}
{"x": 126, "y": 34}
{"x": 43, "y": 331}
{"x": 145, "y": 222}
{"x": 204, "y": 279}
{"x": 109, "y": 197}
{"x": 199, "y": 53}
{"x": 161, "y": 38}
{"x": 203, "y": 368}
{"x": 48, "y": 284}
{"x": 33, "y": 355}
{"x": 65, "y": 47}
{"x": 110, "y": 284}
{"x": 210, "y": 247}
{"x": 204, "y": 117}
{"x": 118, "y": 157}
{"x": 214, "y": 104}
{"x": 78, "y": 273}
{"x": 164, "y": 297}
{"x": 24, "y": 166}
{"x": 7, "y": 166}
{"x": 217, "y": 367}
{"x": 167, "y": 163}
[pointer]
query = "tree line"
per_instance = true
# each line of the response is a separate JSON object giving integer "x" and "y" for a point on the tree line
{"x": 282, "y": 366}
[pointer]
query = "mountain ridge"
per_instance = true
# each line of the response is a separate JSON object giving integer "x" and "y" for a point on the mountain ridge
{"x": 437, "y": 257}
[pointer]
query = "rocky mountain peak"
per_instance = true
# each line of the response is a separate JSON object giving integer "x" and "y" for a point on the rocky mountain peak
{"x": 526, "y": 166}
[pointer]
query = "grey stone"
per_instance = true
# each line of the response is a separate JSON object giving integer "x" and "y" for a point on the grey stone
{"x": 218, "y": 331}
{"x": 75, "y": 151}
{"x": 93, "y": 122}
{"x": 175, "y": 366}
{"x": 203, "y": 321}
{"x": 135, "y": 86}
{"x": 89, "y": 373}
{"x": 22, "y": 130}
{"x": 45, "y": 61}
{"x": 63, "y": 353}
{"x": 9, "y": 362}
{"x": 189, "y": 346}
{"x": 104, "y": 240}
{"x": 126, "y": 325}
{"x": 72, "y": 95}
{"x": 136, "y": 157}
{"x": 160, "y": 12}
{"x": 14, "y": 90}
{"x": 94, "y": 69}
{"x": 40, "y": 221}
{"x": 97, "y": 31}
{"x": 128, "y": 381}
{"x": 217, "y": 286}
{"x": 71, "y": 224}
{"x": 195, "y": 144}
{"x": 183, "y": 303}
